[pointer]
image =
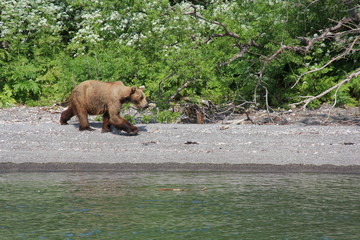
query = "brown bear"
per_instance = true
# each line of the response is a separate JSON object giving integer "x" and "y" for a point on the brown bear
{"x": 95, "y": 97}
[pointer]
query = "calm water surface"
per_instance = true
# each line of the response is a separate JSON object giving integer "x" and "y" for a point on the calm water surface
{"x": 130, "y": 206}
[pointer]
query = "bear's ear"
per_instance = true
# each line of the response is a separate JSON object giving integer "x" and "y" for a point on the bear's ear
{"x": 142, "y": 88}
{"x": 133, "y": 89}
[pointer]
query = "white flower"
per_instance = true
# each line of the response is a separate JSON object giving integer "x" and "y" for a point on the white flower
{"x": 115, "y": 16}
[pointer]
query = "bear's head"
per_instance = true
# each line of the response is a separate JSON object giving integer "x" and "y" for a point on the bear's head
{"x": 138, "y": 97}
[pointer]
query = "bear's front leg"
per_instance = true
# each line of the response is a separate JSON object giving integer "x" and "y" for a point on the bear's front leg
{"x": 119, "y": 122}
{"x": 124, "y": 125}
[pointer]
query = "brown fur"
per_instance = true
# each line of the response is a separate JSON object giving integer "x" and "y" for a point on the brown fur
{"x": 95, "y": 97}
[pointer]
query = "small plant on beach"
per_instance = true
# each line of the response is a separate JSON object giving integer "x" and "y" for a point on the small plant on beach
{"x": 98, "y": 118}
{"x": 130, "y": 118}
{"x": 168, "y": 117}
{"x": 147, "y": 119}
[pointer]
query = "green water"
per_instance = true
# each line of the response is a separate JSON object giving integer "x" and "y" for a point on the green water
{"x": 129, "y": 206}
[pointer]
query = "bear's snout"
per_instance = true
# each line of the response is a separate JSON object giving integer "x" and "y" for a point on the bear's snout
{"x": 144, "y": 106}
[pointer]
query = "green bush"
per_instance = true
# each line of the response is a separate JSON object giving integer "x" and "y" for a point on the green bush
{"x": 47, "y": 47}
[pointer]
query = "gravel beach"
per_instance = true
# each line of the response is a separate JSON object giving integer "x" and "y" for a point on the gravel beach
{"x": 31, "y": 139}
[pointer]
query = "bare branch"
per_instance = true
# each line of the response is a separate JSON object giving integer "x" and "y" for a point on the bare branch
{"x": 329, "y": 62}
{"x": 325, "y": 33}
{"x": 244, "y": 48}
{"x": 161, "y": 83}
{"x": 227, "y": 31}
{"x": 313, "y": 2}
{"x": 309, "y": 45}
{"x": 337, "y": 86}
{"x": 269, "y": 59}
{"x": 187, "y": 83}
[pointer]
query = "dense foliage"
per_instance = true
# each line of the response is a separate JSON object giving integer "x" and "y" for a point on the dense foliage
{"x": 215, "y": 50}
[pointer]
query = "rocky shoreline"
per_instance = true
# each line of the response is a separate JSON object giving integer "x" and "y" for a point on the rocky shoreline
{"x": 31, "y": 139}
{"x": 324, "y": 116}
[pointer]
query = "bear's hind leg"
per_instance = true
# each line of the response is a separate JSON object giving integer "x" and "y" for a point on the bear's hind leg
{"x": 66, "y": 115}
{"x": 106, "y": 123}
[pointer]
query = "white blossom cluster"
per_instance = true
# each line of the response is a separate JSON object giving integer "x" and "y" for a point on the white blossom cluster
{"x": 86, "y": 32}
{"x": 94, "y": 22}
{"x": 29, "y": 17}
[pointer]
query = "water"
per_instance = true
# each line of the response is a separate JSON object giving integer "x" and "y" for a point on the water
{"x": 130, "y": 206}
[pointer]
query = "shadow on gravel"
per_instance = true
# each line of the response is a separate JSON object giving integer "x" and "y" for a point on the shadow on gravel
{"x": 122, "y": 133}
{"x": 98, "y": 126}
{"x": 93, "y": 125}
